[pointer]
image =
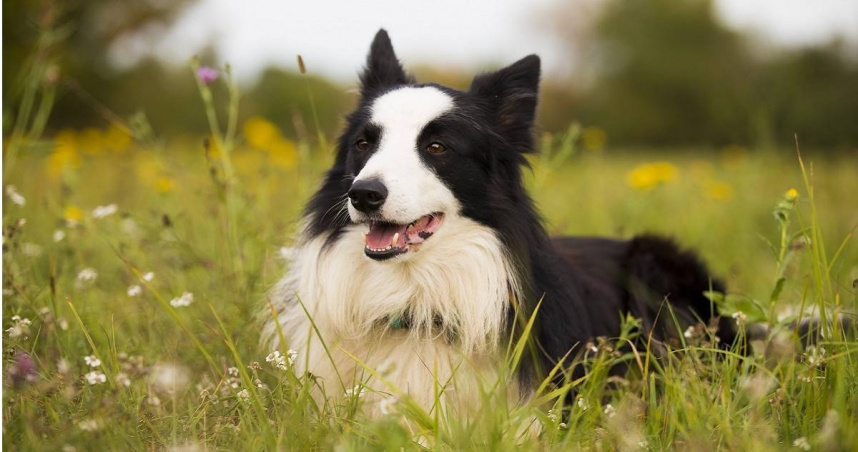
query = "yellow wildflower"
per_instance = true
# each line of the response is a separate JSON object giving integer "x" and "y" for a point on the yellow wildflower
{"x": 164, "y": 184}
{"x": 91, "y": 140}
{"x": 260, "y": 133}
{"x": 65, "y": 156}
{"x": 65, "y": 140}
{"x": 72, "y": 215}
{"x": 594, "y": 139}
{"x": 648, "y": 175}
{"x": 116, "y": 138}
{"x": 792, "y": 194}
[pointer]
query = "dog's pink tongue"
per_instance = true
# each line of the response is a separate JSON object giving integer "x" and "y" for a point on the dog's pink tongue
{"x": 381, "y": 234}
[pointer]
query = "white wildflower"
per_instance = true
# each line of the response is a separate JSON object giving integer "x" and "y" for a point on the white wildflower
{"x": 689, "y": 332}
{"x": 122, "y": 379}
{"x": 89, "y": 425}
{"x": 104, "y": 211}
{"x": 243, "y": 395}
{"x": 135, "y": 290}
{"x": 232, "y": 371}
{"x": 740, "y": 317}
{"x": 562, "y": 426}
{"x": 610, "y": 411}
{"x": 168, "y": 378}
{"x": 279, "y": 361}
{"x": 63, "y": 323}
{"x": 801, "y": 443}
{"x": 357, "y": 391}
{"x": 148, "y": 276}
{"x": 92, "y": 361}
{"x": 583, "y": 404}
{"x": 16, "y": 197}
{"x": 31, "y": 249}
{"x": 259, "y": 384}
{"x": 20, "y": 326}
{"x": 95, "y": 378}
{"x": 87, "y": 275}
{"x": 291, "y": 355}
{"x": 815, "y": 355}
{"x": 185, "y": 300}
{"x": 59, "y": 235}
{"x": 552, "y": 415}
{"x": 63, "y": 366}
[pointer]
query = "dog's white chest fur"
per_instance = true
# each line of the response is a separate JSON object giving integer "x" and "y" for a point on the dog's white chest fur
{"x": 454, "y": 292}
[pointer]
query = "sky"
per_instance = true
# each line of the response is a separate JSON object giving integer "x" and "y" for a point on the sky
{"x": 333, "y": 36}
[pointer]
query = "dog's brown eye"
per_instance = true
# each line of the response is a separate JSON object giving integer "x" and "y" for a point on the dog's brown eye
{"x": 362, "y": 145}
{"x": 435, "y": 148}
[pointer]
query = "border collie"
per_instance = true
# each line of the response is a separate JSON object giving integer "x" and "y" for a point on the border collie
{"x": 422, "y": 248}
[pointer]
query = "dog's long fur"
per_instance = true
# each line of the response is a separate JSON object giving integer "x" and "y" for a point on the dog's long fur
{"x": 459, "y": 292}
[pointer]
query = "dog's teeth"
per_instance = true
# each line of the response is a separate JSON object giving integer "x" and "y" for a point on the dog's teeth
{"x": 395, "y": 239}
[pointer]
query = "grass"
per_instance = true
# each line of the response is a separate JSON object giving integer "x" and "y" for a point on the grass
{"x": 195, "y": 377}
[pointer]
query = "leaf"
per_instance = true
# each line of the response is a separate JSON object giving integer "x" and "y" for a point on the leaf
{"x": 779, "y": 286}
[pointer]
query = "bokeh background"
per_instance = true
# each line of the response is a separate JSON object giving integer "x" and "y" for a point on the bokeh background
{"x": 661, "y": 73}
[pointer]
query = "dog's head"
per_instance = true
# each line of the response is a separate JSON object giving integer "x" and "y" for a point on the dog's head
{"x": 416, "y": 156}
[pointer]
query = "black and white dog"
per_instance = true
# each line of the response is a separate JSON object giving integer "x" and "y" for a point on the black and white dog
{"x": 422, "y": 246}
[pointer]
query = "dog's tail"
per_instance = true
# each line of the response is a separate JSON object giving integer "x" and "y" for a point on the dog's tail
{"x": 666, "y": 289}
{"x": 667, "y": 286}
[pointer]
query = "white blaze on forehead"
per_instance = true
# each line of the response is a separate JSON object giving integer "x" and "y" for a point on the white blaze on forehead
{"x": 407, "y": 109}
{"x": 413, "y": 188}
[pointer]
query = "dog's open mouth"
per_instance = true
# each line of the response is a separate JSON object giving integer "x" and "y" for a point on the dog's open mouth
{"x": 385, "y": 240}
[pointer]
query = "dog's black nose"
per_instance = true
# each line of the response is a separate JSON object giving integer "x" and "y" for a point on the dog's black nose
{"x": 368, "y": 195}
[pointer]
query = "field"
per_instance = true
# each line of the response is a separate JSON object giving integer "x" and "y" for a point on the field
{"x": 133, "y": 273}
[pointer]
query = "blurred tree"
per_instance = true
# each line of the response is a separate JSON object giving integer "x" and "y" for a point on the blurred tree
{"x": 81, "y": 34}
{"x": 668, "y": 72}
{"x": 812, "y": 92}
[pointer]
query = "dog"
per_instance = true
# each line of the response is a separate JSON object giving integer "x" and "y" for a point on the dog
{"x": 422, "y": 256}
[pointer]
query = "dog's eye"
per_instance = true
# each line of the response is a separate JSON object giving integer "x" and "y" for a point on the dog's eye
{"x": 435, "y": 148}
{"x": 362, "y": 145}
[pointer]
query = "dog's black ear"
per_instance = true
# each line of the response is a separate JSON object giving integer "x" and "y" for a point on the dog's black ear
{"x": 511, "y": 93}
{"x": 382, "y": 67}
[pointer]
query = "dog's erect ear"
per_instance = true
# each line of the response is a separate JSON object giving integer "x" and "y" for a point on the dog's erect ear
{"x": 382, "y": 67}
{"x": 511, "y": 93}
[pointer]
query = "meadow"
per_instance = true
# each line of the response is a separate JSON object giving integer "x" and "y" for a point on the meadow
{"x": 135, "y": 270}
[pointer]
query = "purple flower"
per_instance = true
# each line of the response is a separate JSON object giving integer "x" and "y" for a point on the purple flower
{"x": 23, "y": 370}
{"x": 207, "y": 74}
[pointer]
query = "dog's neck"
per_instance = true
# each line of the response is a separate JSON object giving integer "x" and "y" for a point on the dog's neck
{"x": 456, "y": 285}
